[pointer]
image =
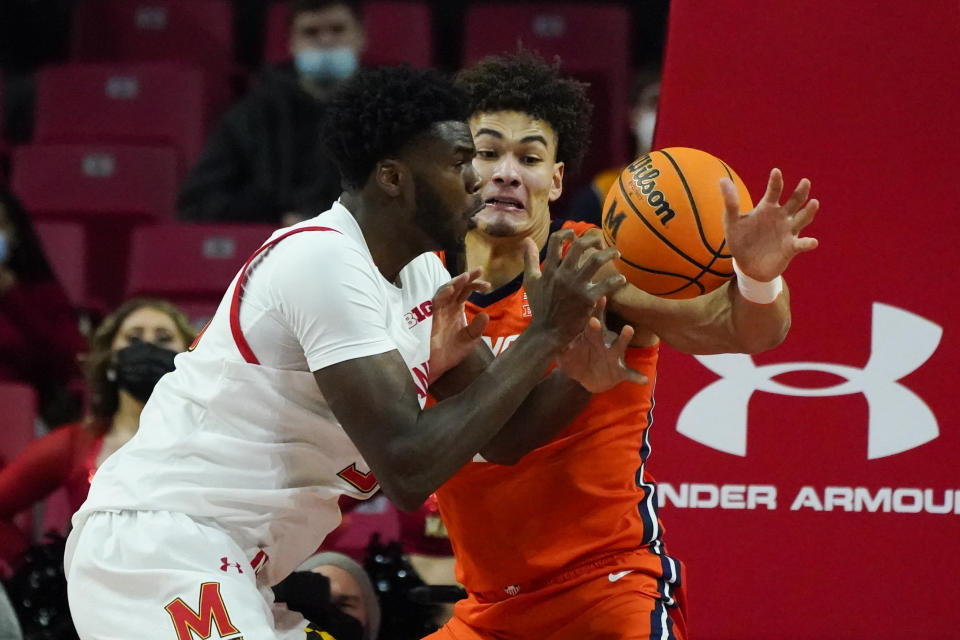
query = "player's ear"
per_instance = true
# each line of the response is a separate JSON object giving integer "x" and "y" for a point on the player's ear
{"x": 556, "y": 186}
{"x": 389, "y": 176}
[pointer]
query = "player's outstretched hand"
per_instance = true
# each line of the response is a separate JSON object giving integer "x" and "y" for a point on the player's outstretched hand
{"x": 595, "y": 358}
{"x": 562, "y": 296}
{"x": 451, "y": 338}
{"x": 764, "y": 241}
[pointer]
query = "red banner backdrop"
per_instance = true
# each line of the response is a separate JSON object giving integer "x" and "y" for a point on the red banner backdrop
{"x": 814, "y": 491}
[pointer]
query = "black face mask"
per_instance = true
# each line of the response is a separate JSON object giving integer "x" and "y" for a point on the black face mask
{"x": 308, "y": 594}
{"x": 140, "y": 366}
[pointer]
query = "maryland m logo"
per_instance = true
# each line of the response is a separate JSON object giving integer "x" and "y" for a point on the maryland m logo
{"x": 190, "y": 624}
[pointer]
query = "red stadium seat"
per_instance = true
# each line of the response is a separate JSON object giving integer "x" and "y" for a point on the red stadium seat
{"x": 18, "y": 405}
{"x": 386, "y": 43}
{"x": 142, "y": 104}
{"x": 83, "y": 181}
{"x": 198, "y": 33}
{"x": 191, "y": 265}
{"x": 64, "y": 244}
{"x": 593, "y": 44}
{"x": 107, "y": 189}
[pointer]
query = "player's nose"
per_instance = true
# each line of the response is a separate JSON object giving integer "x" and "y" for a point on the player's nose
{"x": 507, "y": 171}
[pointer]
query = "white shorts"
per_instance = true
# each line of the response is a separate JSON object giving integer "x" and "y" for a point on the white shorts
{"x": 163, "y": 576}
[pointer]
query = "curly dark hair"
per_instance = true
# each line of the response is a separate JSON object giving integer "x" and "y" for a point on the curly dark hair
{"x": 525, "y": 82}
{"x": 378, "y": 111}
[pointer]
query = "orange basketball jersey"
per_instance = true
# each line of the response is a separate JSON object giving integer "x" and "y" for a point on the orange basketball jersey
{"x": 582, "y": 496}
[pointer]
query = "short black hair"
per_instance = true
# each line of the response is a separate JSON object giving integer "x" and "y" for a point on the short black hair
{"x": 303, "y": 6}
{"x": 524, "y": 82}
{"x": 377, "y": 111}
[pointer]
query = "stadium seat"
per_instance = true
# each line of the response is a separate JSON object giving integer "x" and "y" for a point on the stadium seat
{"x": 592, "y": 42}
{"x": 83, "y": 181}
{"x": 191, "y": 265}
{"x": 198, "y": 33}
{"x": 64, "y": 244}
{"x": 18, "y": 405}
{"x": 386, "y": 43}
{"x": 117, "y": 103}
{"x": 107, "y": 189}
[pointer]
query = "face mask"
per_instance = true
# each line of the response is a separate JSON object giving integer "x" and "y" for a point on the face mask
{"x": 140, "y": 366}
{"x": 326, "y": 64}
{"x": 4, "y": 248}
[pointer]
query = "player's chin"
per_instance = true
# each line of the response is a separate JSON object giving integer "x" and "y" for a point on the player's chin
{"x": 499, "y": 224}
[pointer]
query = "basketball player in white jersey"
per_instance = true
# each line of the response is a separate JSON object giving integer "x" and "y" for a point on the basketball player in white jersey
{"x": 310, "y": 383}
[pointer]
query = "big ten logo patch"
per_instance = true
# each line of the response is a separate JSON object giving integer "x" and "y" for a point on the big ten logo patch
{"x": 899, "y": 419}
{"x": 419, "y": 313}
{"x": 525, "y": 311}
{"x": 190, "y": 624}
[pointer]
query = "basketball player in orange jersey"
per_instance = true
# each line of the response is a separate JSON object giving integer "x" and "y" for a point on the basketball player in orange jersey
{"x": 555, "y": 529}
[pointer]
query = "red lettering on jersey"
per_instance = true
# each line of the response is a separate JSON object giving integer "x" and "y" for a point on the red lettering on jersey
{"x": 419, "y": 313}
{"x": 421, "y": 381}
{"x": 189, "y": 623}
{"x": 365, "y": 482}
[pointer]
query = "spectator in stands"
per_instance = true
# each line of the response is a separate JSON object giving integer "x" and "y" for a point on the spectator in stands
{"x": 130, "y": 350}
{"x": 40, "y": 339}
{"x": 588, "y": 203}
{"x": 334, "y": 592}
{"x": 264, "y": 161}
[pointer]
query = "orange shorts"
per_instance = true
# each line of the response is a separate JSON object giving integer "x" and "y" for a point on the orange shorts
{"x": 618, "y": 598}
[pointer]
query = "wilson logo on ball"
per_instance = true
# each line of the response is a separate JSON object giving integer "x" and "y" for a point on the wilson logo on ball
{"x": 665, "y": 216}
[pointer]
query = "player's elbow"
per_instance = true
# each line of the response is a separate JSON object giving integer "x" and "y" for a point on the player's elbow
{"x": 407, "y": 486}
{"x": 769, "y": 338}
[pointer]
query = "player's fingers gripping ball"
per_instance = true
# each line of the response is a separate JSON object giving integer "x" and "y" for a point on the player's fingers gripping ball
{"x": 665, "y": 216}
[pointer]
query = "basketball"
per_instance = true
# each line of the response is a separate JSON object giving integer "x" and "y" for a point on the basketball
{"x": 664, "y": 214}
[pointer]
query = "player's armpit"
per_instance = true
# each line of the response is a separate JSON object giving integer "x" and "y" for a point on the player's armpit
{"x": 721, "y": 321}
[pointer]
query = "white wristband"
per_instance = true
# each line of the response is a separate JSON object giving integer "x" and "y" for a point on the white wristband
{"x": 756, "y": 290}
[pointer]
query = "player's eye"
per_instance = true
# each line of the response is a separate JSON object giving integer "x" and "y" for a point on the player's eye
{"x": 531, "y": 159}
{"x": 486, "y": 154}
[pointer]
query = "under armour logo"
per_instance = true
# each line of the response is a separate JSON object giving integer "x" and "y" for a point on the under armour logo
{"x": 227, "y": 564}
{"x": 898, "y": 419}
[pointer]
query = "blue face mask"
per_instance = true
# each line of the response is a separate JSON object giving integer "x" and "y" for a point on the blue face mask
{"x": 4, "y": 248}
{"x": 326, "y": 64}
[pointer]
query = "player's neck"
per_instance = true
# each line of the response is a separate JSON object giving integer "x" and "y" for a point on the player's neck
{"x": 501, "y": 256}
{"x": 392, "y": 242}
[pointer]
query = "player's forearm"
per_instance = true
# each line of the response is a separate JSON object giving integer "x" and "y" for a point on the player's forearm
{"x": 721, "y": 321}
{"x": 547, "y": 410}
{"x": 448, "y": 434}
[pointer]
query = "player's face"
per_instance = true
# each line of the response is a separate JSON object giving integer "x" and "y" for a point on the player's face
{"x": 328, "y": 28}
{"x": 345, "y": 593}
{"x": 149, "y": 325}
{"x": 520, "y": 177}
{"x": 445, "y": 184}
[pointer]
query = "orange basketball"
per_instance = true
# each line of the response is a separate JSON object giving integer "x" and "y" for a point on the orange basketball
{"x": 665, "y": 216}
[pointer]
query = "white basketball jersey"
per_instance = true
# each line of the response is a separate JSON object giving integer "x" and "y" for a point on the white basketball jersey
{"x": 239, "y": 434}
